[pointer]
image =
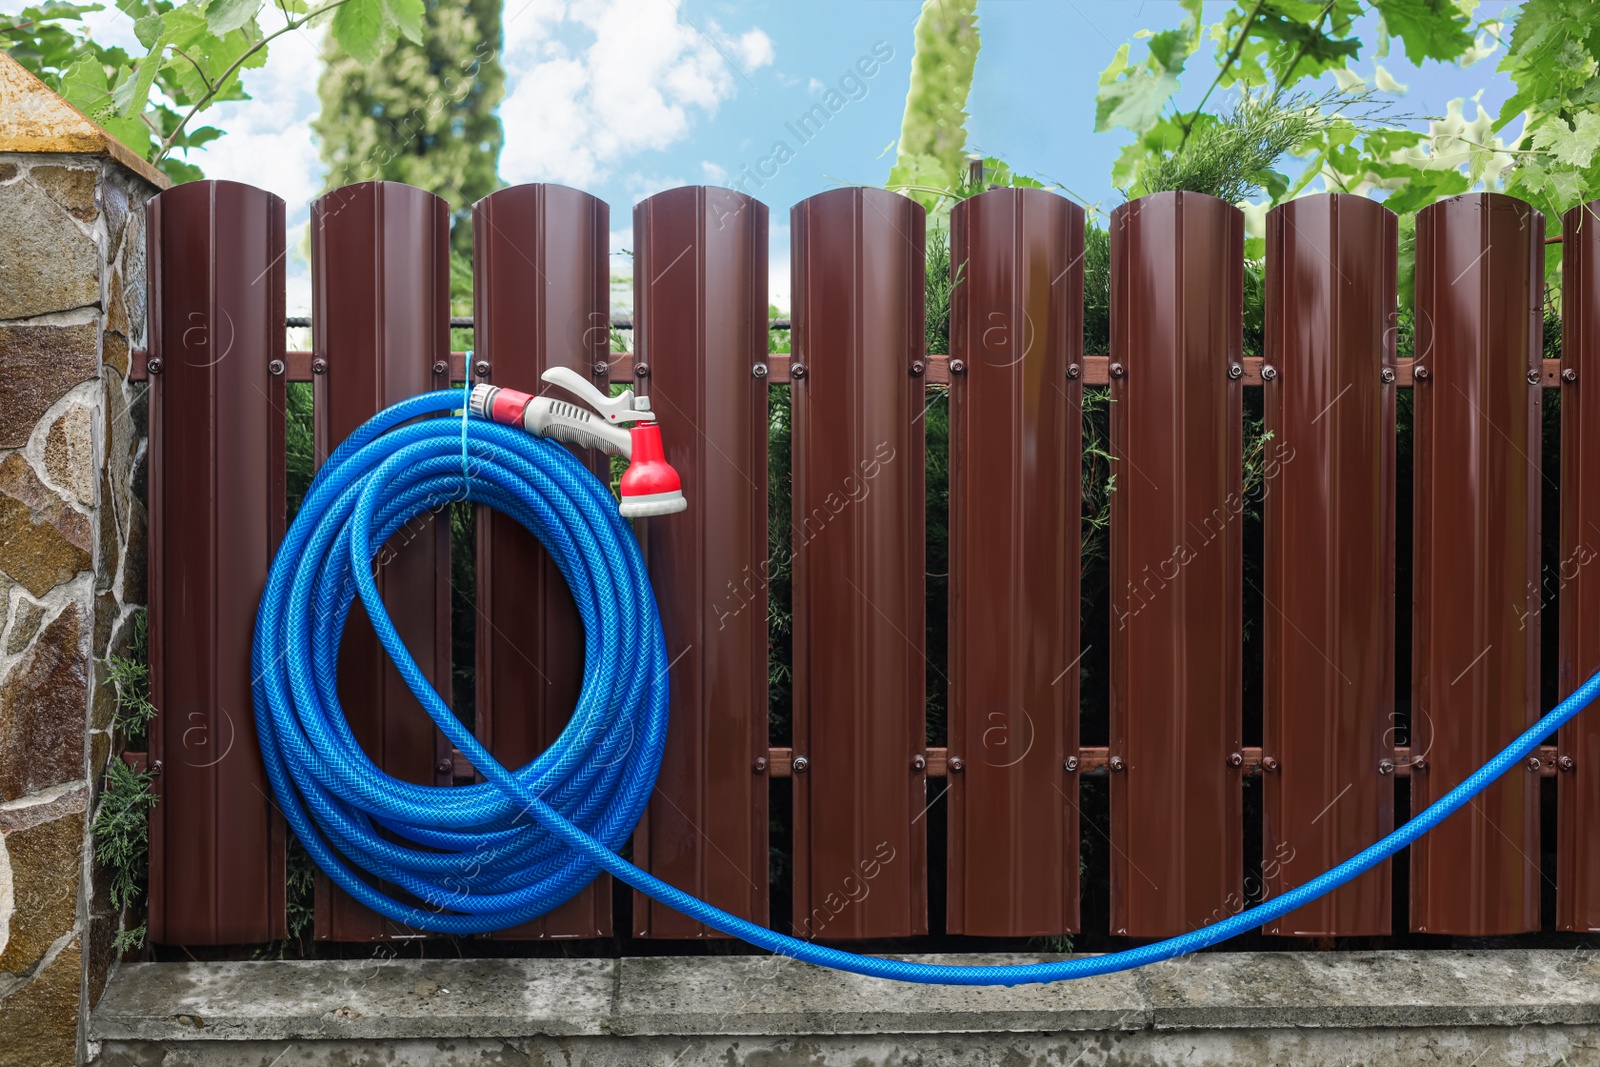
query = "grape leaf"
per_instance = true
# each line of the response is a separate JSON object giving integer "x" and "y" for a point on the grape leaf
{"x": 1431, "y": 29}
{"x": 1574, "y": 147}
{"x": 358, "y": 27}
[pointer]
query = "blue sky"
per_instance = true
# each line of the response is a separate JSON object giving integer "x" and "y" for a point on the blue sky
{"x": 625, "y": 98}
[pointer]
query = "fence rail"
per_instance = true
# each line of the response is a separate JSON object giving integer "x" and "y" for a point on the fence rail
{"x": 862, "y": 771}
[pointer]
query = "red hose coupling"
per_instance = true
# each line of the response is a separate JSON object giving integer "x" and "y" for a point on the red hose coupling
{"x": 504, "y": 406}
{"x": 650, "y": 486}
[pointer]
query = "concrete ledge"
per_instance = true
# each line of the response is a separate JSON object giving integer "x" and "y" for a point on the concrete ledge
{"x": 1513, "y": 1006}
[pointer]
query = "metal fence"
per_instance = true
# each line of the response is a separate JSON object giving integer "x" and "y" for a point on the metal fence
{"x": 861, "y": 770}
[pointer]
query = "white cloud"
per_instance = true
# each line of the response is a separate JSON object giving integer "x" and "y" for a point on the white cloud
{"x": 638, "y": 84}
{"x": 715, "y": 174}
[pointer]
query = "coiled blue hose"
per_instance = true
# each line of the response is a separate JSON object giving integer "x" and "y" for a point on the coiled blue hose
{"x": 501, "y": 852}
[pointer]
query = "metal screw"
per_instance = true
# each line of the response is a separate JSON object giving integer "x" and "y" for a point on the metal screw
{"x": 319, "y": 366}
{"x": 153, "y": 365}
{"x": 1386, "y": 766}
{"x": 1118, "y": 370}
{"x": 1070, "y": 763}
{"x": 481, "y": 368}
{"x": 1534, "y": 764}
{"x": 958, "y": 366}
{"x": 445, "y": 766}
{"x": 440, "y": 366}
{"x": 760, "y": 765}
{"x": 1421, "y": 374}
{"x": 601, "y": 367}
{"x": 1566, "y": 763}
{"x": 1268, "y": 372}
{"x": 1236, "y": 759}
{"x": 155, "y": 766}
{"x": 919, "y": 763}
{"x": 1420, "y": 763}
{"x": 641, "y": 370}
{"x": 1387, "y": 375}
{"x": 956, "y": 764}
{"x": 917, "y": 367}
{"x": 1074, "y": 371}
{"x": 801, "y": 764}
{"x": 1235, "y": 372}
{"x": 1569, "y": 375}
{"x": 1268, "y": 763}
{"x": 1117, "y": 764}
{"x": 275, "y": 368}
{"x": 1533, "y": 377}
{"x": 797, "y": 371}
{"x": 758, "y": 371}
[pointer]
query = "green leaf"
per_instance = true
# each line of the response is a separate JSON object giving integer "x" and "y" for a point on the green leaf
{"x": 148, "y": 30}
{"x": 1427, "y": 187}
{"x": 1431, "y": 29}
{"x": 358, "y": 28}
{"x": 407, "y": 15}
{"x": 1572, "y": 146}
{"x": 225, "y": 16}
{"x": 1131, "y": 97}
{"x": 179, "y": 171}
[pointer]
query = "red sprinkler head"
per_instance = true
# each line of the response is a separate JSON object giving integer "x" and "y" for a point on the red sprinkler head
{"x": 650, "y": 486}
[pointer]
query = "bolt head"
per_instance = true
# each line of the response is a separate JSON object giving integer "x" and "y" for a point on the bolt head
{"x": 760, "y": 765}
{"x": 919, "y": 763}
{"x": 800, "y": 765}
{"x": 641, "y": 370}
{"x": 956, "y": 764}
{"x": 1074, "y": 371}
{"x": 758, "y": 371}
{"x": 1420, "y": 763}
{"x": 481, "y": 368}
{"x": 445, "y": 766}
{"x": 1070, "y": 764}
{"x": 440, "y": 366}
{"x": 797, "y": 371}
{"x": 1235, "y": 372}
{"x": 1534, "y": 377}
{"x": 917, "y": 367}
{"x": 1534, "y": 764}
{"x": 1117, "y": 763}
{"x": 1421, "y": 374}
{"x": 1269, "y": 764}
{"x": 958, "y": 366}
{"x": 1386, "y": 766}
{"x": 1387, "y": 375}
{"x": 1117, "y": 370}
{"x": 153, "y": 365}
{"x": 275, "y": 368}
{"x": 319, "y": 366}
{"x": 1569, "y": 375}
{"x": 1236, "y": 759}
{"x": 1566, "y": 763}
{"x": 1268, "y": 372}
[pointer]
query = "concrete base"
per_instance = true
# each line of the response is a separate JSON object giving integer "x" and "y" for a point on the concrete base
{"x": 1468, "y": 1008}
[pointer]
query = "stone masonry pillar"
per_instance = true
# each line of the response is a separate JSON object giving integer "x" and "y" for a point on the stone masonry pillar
{"x": 72, "y": 281}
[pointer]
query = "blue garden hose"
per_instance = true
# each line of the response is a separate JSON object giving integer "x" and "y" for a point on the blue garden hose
{"x": 496, "y": 854}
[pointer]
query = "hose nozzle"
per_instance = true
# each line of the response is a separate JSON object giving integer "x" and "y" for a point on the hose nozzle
{"x": 649, "y": 486}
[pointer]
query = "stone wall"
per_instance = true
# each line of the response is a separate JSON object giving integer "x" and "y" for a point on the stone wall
{"x": 72, "y": 280}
